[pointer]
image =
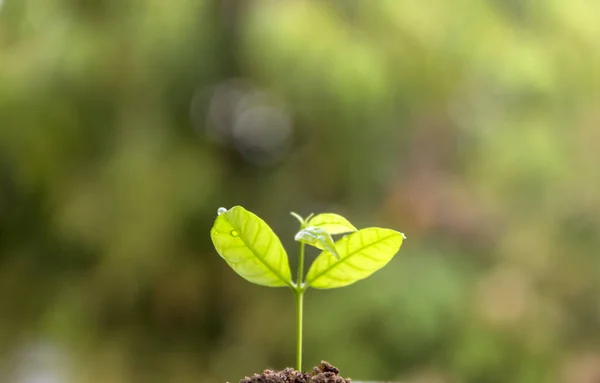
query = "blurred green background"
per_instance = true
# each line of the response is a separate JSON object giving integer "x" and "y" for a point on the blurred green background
{"x": 471, "y": 126}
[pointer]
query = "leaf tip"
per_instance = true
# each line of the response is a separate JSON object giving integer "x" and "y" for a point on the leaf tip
{"x": 299, "y": 235}
{"x": 298, "y": 217}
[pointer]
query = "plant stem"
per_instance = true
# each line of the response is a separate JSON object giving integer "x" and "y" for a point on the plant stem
{"x": 299, "y": 280}
{"x": 299, "y": 292}
{"x": 299, "y": 299}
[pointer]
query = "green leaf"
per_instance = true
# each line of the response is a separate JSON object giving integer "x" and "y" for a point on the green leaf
{"x": 251, "y": 247}
{"x": 361, "y": 254}
{"x": 317, "y": 237}
{"x": 333, "y": 223}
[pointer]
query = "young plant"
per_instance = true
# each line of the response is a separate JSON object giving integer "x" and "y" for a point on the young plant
{"x": 254, "y": 251}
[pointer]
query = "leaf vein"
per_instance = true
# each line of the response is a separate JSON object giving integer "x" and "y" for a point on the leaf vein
{"x": 357, "y": 251}
{"x": 262, "y": 259}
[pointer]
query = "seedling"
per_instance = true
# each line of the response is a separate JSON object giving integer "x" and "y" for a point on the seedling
{"x": 255, "y": 252}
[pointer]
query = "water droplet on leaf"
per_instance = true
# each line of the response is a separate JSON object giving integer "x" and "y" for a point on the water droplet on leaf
{"x": 215, "y": 232}
{"x": 235, "y": 233}
{"x": 221, "y": 210}
{"x": 345, "y": 238}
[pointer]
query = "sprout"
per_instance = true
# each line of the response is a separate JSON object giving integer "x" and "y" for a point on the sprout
{"x": 253, "y": 250}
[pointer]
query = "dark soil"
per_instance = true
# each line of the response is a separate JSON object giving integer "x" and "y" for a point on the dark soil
{"x": 323, "y": 373}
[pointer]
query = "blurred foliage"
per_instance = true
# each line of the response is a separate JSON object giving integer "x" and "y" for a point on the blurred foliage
{"x": 472, "y": 126}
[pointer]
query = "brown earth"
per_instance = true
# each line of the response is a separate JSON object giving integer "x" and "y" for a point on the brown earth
{"x": 323, "y": 373}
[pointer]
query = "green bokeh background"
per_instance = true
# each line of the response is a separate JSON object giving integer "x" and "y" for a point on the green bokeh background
{"x": 473, "y": 126}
